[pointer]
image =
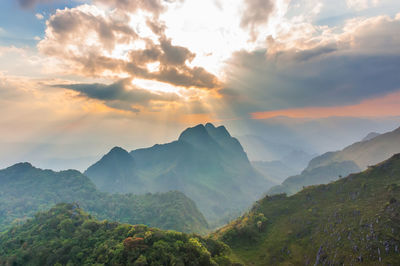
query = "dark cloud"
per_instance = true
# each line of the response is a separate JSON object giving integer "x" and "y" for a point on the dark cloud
{"x": 365, "y": 63}
{"x": 121, "y": 95}
{"x": 32, "y": 3}
{"x": 173, "y": 68}
{"x": 256, "y": 12}
{"x": 75, "y": 23}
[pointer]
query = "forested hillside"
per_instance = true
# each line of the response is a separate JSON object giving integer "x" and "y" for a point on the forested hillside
{"x": 65, "y": 235}
{"x": 353, "y": 220}
{"x": 24, "y": 190}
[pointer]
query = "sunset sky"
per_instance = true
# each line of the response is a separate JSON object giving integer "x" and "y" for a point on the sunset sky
{"x": 78, "y": 77}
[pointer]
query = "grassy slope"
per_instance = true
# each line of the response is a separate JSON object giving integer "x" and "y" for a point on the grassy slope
{"x": 351, "y": 220}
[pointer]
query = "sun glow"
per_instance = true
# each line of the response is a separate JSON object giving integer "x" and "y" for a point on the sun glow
{"x": 155, "y": 86}
{"x": 193, "y": 24}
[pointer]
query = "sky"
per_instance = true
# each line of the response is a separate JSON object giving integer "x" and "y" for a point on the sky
{"x": 79, "y": 77}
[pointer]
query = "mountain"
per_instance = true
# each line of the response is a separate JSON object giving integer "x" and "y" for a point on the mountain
{"x": 24, "y": 190}
{"x": 370, "y": 136}
{"x": 314, "y": 176}
{"x": 66, "y": 235}
{"x": 351, "y": 221}
{"x": 364, "y": 153}
{"x": 205, "y": 163}
{"x": 119, "y": 165}
{"x": 262, "y": 149}
{"x": 331, "y": 165}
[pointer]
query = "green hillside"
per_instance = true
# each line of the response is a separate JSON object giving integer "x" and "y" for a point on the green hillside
{"x": 65, "y": 235}
{"x": 205, "y": 163}
{"x": 24, "y": 190}
{"x": 355, "y": 219}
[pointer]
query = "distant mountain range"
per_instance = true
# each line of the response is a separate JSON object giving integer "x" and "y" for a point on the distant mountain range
{"x": 261, "y": 149}
{"x": 274, "y": 171}
{"x": 364, "y": 153}
{"x": 205, "y": 163}
{"x": 371, "y": 136}
{"x": 25, "y": 190}
{"x": 374, "y": 148}
{"x": 355, "y": 220}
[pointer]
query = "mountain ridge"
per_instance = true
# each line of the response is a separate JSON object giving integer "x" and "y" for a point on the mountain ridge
{"x": 206, "y": 163}
{"x": 353, "y": 158}
{"x": 25, "y": 189}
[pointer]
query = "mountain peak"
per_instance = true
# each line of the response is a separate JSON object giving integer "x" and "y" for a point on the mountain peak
{"x": 370, "y": 136}
{"x": 117, "y": 150}
{"x": 114, "y": 167}
{"x": 195, "y": 134}
{"x": 117, "y": 153}
{"x": 209, "y": 125}
{"x": 21, "y": 166}
{"x": 217, "y": 131}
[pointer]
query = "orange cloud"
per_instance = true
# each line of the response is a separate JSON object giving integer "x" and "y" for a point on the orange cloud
{"x": 376, "y": 107}
{"x": 99, "y": 43}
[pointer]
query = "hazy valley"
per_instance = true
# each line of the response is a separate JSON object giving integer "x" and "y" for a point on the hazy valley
{"x": 205, "y": 172}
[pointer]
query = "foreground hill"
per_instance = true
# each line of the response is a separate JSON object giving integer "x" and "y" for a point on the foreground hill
{"x": 65, "y": 235}
{"x": 374, "y": 148}
{"x": 205, "y": 163}
{"x": 355, "y": 219}
{"x": 24, "y": 190}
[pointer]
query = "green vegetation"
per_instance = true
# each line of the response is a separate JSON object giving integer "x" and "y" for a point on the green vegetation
{"x": 355, "y": 219}
{"x": 65, "y": 235}
{"x": 24, "y": 190}
{"x": 205, "y": 163}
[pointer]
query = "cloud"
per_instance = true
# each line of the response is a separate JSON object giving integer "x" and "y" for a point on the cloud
{"x": 360, "y": 63}
{"x": 97, "y": 43}
{"x": 362, "y": 4}
{"x": 121, "y": 95}
{"x": 39, "y": 16}
{"x": 32, "y": 3}
{"x": 256, "y": 12}
{"x": 386, "y": 106}
{"x": 155, "y": 7}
